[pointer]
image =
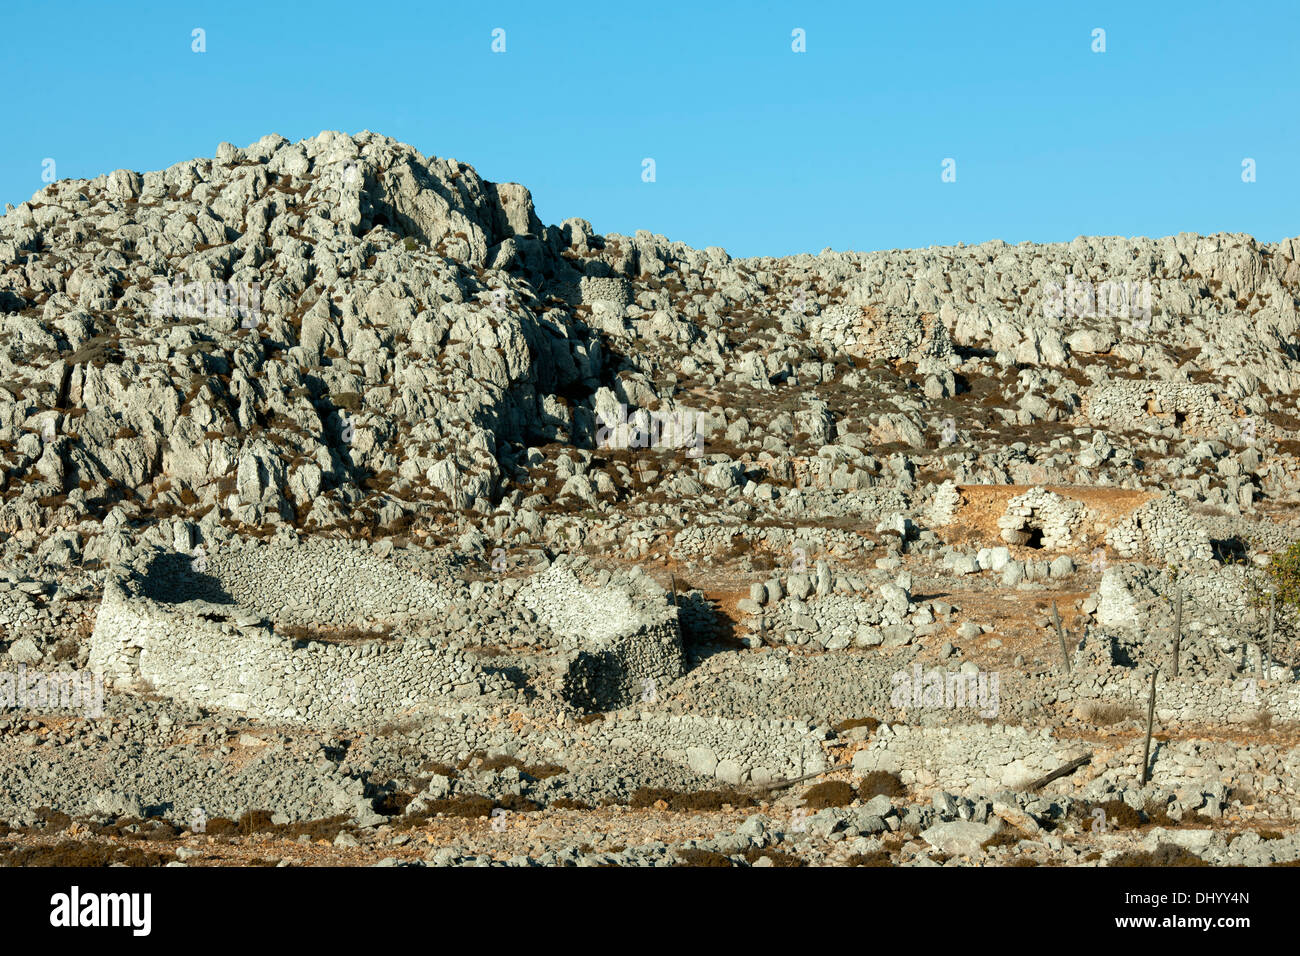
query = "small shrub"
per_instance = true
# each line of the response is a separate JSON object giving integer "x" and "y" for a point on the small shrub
{"x": 470, "y": 806}
{"x": 871, "y": 723}
{"x": 397, "y": 728}
{"x": 1119, "y": 815}
{"x": 326, "y": 828}
{"x": 1283, "y": 571}
{"x": 393, "y": 804}
{"x": 517, "y": 804}
{"x": 1108, "y": 713}
{"x": 881, "y": 782}
{"x": 349, "y": 401}
{"x": 1241, "y": 794}
{"x": 829, "y": 793}
{"x": 646, "y": 797}
{"x": 875, "y": 858}
{"x": 255, "y": 821}
{"x": 54, "y": 820}
{"x": 565, "y": 803}
{"x": 82, "y": 854}
{"x": 698, "y": 857}
{"x": 222, "y": 827}
{"x": 133, "y": 828}
{"x": 500, "y": 762}
{"x": 545, "y": 770}
{"x": 1166, "y": 854}
{"x": 778, "y": 858}
{"x": 1007, "y": 836}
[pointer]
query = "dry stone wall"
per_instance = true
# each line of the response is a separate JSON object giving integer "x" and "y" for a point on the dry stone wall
{"x": 1130, "y": 594}
{"x": 226, "y": 631}
{"x": 625, "y": 645}
{"x": 1042, "y": 518}
{"x": 983, "y": 761}
{"x": 1163, "y": 529}
{"x": 944, "y": 505}
{"x": 733, "y": 752}
{"x": 1194, "y": 409}
{"x": 611, "y": 290}
{"x": 203, "y": 631}
{"x": 886, "y": 333}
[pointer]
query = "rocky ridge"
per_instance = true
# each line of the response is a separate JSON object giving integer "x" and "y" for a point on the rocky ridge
{"x": 833, "y": 467}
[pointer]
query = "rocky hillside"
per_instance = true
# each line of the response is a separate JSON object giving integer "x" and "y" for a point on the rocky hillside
{"x": 342, "y": 333}
{"x": 840, "y": 495}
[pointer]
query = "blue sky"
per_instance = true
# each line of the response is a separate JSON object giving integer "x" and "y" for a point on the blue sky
{"x": 757, "y": 148}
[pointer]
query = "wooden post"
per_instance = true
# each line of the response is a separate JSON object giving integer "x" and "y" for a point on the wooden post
{"x": 1059, "y": 772}
{"x": 1178, "y": 628}
{"x": 1060, "y": 634}
{"x": 1259, "y": 657}
{"x": 780, "y": 784}
{"x": 672, "y": 579}
{"x": 1272, "y": 610}
{"x": 1151, "y": 713}
{"x": 1292, "y": 653}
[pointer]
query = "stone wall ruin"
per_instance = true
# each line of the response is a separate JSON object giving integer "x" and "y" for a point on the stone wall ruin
{"x": 329, "y": 632}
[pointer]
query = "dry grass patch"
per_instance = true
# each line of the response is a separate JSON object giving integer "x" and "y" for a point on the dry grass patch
{"x": 645, "y": 798}
{"x": 1166, "y": 854}
{"x": 881, "y": 783}
{"x": 829, "y": 793}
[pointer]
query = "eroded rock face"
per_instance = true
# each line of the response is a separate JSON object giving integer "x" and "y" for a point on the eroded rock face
{"x": 343, "y": 329}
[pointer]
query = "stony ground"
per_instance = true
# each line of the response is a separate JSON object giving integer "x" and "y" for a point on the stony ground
{"x": 845, "y": 468}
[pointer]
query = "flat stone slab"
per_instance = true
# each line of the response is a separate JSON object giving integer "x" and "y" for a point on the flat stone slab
{"x": 958, "y": 838}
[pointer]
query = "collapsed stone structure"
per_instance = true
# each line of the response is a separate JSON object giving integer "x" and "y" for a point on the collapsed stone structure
{"x": 1042, "y": 519}
{"x": 1133, "y": 595}
{"x": 944, "y": 504}
{"x": 324, "y": 631}
{"x": 1194, "y": 409}
{"x": 626, "y": 647}
{"x": 886, "y": 333}
{"x": 609, "y": 290}
{"x": 1163, "y": 528}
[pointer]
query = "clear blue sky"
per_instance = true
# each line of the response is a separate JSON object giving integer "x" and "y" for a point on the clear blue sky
{"x": 758, "y": 149}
